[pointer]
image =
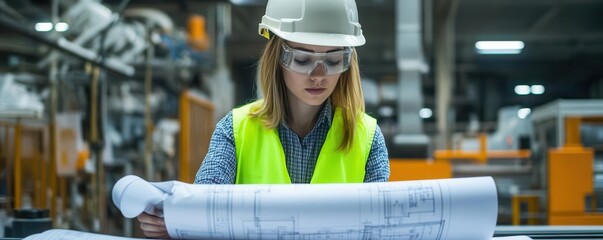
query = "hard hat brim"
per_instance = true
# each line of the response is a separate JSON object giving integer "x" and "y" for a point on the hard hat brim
{"x": 321, "y": 39}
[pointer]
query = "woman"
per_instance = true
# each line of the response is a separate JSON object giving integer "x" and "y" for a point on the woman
{"x": 310, "y": 127}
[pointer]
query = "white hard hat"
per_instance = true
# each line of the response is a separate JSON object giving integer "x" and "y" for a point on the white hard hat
{"x": 314, "y": 22}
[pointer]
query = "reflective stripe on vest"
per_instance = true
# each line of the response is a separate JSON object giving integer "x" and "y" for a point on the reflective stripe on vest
{"x": 261, "y": 158}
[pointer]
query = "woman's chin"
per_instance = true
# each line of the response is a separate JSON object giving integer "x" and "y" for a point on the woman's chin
{"x": 315, "y": 101}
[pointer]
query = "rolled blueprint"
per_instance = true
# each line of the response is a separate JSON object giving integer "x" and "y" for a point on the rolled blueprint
{"x": 461, "y": 208}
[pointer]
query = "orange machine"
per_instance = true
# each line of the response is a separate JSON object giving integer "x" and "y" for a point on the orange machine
{"x": 33, "y": 177}
{"x": 197, "y": 35}
{"x": 482, "y": 155}
{"x": 418, "y": 169}
{"x": 441, "y": 167}
{"x": 570, "y": 180}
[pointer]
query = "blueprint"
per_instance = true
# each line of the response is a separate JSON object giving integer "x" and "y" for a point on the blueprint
{"x": 64, "y": 234}
{"x": 461, "y": 208}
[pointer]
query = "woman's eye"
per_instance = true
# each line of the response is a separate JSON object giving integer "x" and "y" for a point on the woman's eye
{"x": 301, "y": 61}
{"x": 333, "y": 62}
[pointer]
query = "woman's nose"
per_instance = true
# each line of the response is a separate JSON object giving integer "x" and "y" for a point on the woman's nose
{"x": 320, "y": 70}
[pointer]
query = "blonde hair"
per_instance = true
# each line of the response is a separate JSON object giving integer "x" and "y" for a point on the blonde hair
{"x": 346, "y": 96}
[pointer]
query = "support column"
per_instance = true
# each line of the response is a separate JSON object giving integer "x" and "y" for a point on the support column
{"x": 411, "y": 65}
{"x": 445, "y": 11}
{"x": 52, "y": 127}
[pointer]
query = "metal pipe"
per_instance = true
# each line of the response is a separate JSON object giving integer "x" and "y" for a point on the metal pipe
{"x": 101, "y": 196}
{"x": 101, "y": 170}
{"x": 40, "y": 175}
{"x": 53, "y": 139}
{"x": 43, "y": 184}
{"x": 411, "y": 65}
{"x": 17, "y": 164}
{"x": 66, "y": 46}
{"x": 98, "y": 205}
{"x": 148, "y": 118}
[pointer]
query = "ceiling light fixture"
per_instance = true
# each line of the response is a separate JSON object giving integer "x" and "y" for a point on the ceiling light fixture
{"x": 61, "y": 26}
{"x": 499, "y": 47}
{"x": 522, "y": 89}
{"x": 43, "y": 26}
{"x": 537, "y": 89}
{"x": 425, "y": 113}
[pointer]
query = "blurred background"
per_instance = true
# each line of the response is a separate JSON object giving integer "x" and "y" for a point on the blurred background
{"x": 93, "y": 90}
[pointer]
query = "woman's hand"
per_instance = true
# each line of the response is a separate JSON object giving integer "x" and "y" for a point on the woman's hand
{"x": 153, "y": 225}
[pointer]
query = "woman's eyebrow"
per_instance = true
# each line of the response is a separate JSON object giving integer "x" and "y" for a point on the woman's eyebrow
{"x": 312, "y": 51}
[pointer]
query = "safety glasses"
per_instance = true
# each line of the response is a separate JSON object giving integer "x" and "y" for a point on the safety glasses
{"x": 305, "y": 62}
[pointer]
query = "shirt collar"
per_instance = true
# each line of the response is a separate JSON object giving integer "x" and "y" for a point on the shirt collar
{"x": 326, "y": 114}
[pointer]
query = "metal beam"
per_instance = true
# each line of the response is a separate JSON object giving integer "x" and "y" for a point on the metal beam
{"x": 65, "y": 46}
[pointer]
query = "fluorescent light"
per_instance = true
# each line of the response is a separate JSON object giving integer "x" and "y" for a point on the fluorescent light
{"x": 425, "y": 113}
{"x": 499, "y": 47}
{"x": 537, "y": 89}
{"x": 523, "y": 113}
{"x": 386, "y": 111}
{"x": 61, "y": 27}
{"x": 522, "y": 89}
{"x": 43, "y": 26}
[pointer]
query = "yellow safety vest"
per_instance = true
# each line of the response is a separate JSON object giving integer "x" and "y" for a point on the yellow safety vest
{"x": 261, "y": 158}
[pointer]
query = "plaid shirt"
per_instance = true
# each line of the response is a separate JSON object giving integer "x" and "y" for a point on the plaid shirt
{"x": 220, "y": 163}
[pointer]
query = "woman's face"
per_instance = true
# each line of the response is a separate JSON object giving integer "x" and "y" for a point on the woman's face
{"x": 311, "y": 89}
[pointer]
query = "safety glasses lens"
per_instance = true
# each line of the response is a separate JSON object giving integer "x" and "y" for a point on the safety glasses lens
{"x": 305, "y": 62}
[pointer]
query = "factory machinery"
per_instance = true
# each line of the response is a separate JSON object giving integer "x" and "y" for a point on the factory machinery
{"x": 548, "y": 166}
{"x": 121, "y": 91}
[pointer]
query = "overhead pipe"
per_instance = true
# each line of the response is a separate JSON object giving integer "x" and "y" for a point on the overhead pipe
{"x": 411, "y": 66}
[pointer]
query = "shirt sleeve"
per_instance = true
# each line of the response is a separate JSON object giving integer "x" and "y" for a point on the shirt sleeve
{"x": 377, "y": 165}
{"x": 220, "y": 163}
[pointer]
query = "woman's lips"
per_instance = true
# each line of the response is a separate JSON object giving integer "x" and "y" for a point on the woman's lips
{"x": 315, "y": 91}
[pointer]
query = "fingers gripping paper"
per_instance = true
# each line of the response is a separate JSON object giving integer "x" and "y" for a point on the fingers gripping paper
{"x": 462, "y": 208}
